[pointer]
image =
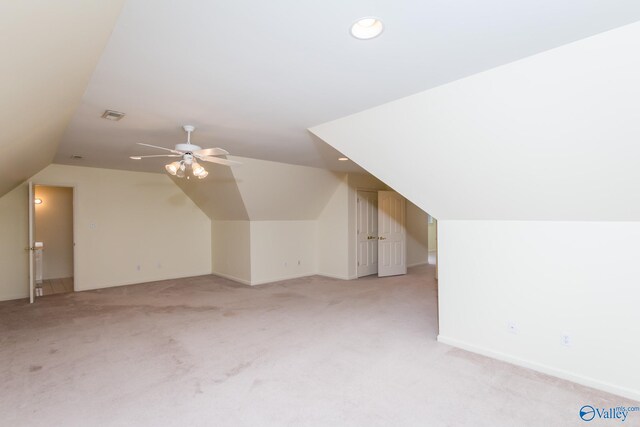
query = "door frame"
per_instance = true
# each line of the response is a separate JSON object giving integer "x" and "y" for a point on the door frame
{"x": 31, "y": 220}
{"x": 74, "y": 217}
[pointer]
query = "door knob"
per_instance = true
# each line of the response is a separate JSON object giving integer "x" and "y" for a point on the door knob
{"x": 382, "y": 238}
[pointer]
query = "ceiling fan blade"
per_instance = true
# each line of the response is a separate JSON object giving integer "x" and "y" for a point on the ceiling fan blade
{"x": 159, "y": 155}
{"x": 211, "y": 152}
{"x": 218, "y": 160}
{"x": 160, "y": 148}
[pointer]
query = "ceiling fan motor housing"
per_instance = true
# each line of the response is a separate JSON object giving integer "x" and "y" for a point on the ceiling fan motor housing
{"x": 188, "y": 158}
{"x": 187, "y": 148}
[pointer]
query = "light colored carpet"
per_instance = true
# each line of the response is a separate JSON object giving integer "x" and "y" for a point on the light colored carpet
{"x": 204, "y": 351}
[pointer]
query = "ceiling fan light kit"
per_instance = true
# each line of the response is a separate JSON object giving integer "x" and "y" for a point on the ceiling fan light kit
{"x": 190, "y": 154}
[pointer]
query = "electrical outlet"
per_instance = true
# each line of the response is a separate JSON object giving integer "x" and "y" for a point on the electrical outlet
{"x": 298, "y": 262}
{"x": 138, "y": 267}
{"x": 285, "y": 263}
{"x": 512, "y": 327}
{"x": 159, "y": 265}
{"x": 565, "y": 339}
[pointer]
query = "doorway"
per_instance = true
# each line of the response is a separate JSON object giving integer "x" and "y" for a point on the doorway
{"x": 53, "y": 240}
{"x": 381, "y": 233}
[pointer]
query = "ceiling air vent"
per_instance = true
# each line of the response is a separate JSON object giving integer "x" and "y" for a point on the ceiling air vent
{"x": 112, "y": 115}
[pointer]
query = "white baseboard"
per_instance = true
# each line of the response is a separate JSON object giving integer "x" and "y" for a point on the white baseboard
{"x": 545, "y": 369}
{"x": 233, "y": 278}
{"x": 334, "y": 276}
{"x": 417, "y": 264}
{"x": 80, "y": 286}
{"x": 281, "y": 278}
{"x": 12, "y": 297}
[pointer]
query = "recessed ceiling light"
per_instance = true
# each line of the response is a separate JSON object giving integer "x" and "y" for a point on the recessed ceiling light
{"x": 37, "y": 201}
{"x": 135, "y": 157}
{"x": 343, "y": 159}
{"x": 367, "y": 28}
{"x": 112, "y": 115}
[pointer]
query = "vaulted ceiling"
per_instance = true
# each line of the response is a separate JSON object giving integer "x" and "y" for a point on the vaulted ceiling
{"x": 49, "y": 50}
{"x": 261, "y": 190}
{"x": 554, "y": 136}
{"x": 251, "y": 75}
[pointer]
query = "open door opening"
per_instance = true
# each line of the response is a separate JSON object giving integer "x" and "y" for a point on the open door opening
{"x": 381, "y": 233}
{"x": 51, "y": 239}
{"x": 433, "y": 242}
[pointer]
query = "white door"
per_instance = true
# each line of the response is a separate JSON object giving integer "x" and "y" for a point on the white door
{"x": 367, "y": 228}
{"x": 31, "y": 245}
{"x": 392, "y": 240}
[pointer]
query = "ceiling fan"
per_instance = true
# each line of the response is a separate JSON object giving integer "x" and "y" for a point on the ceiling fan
{"x": 190, "y": 154}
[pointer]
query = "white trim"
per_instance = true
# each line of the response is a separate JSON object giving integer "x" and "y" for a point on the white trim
{"x": 415, "y": 264}
{"x": 335, "y": 276}
{"x": 75, "y": 226}
{"x": 233, "y": 278}
{"x": 545, "y": 369}
{"x": 31, "y": 218}
{"x": 142, "y": 280}
{"x": 14, "y": 297}
{"x": 280, "y": 279}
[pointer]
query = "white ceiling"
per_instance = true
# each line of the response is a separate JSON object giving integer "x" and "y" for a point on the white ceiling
{"x": 550, "y": 137}
{"x": 254, "y": 75}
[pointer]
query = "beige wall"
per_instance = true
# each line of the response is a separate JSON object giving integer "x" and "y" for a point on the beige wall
{"x": 54, "y": 227}
{"x": 282, "y": 250}
{"x": 333, "y": 234}
{"x": 337, "y": 229}
{"x": 231, "y": 250}
{"x": 256, "y": 252}
{"x": 417, "y": 235}
{"x": 130, "y": 227}
{"x": 433, "y": 235}
{"x": 133, "y": 227}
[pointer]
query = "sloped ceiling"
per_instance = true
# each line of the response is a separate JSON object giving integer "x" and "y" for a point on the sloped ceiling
{"x": 279, "y": 191}
{"x": 260, "y": 190}
{"x": 218, "y": 195}
{"x": 49, "y": 50}
{"x": 555, "y": 136}
{"x": 253, "y": 75}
